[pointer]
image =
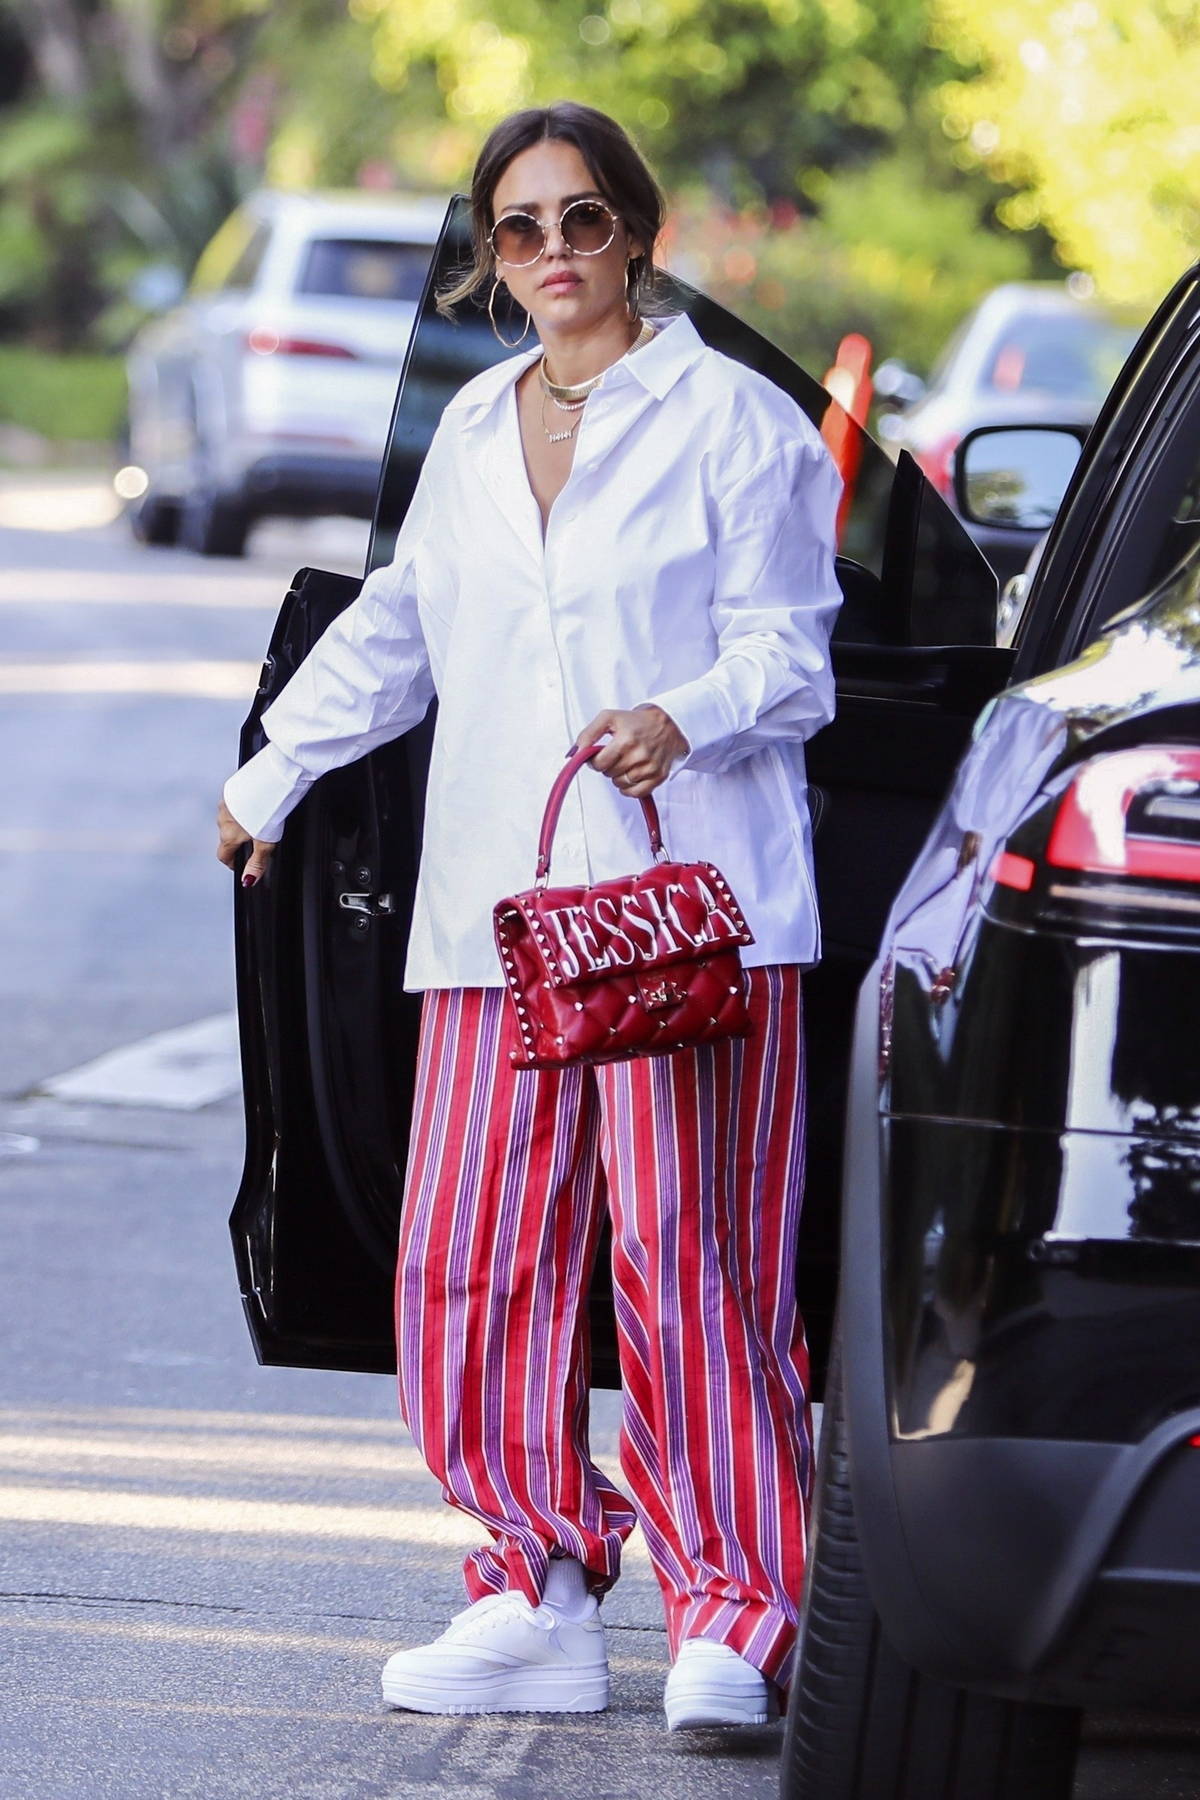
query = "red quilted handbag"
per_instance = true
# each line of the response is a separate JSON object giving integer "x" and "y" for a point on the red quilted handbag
{"x": 633, "y": 967}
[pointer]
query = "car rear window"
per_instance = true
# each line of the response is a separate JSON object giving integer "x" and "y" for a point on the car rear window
{"x": 1075, "y": 358}
{"x": 364, "y": 269}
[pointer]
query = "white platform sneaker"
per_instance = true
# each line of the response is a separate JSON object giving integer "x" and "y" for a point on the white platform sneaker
{"x": 503, "y": 1655}
{"x": 711, "y": 1685}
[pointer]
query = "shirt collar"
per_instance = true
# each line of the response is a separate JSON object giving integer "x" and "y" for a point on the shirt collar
{"x": 657, "y": 366}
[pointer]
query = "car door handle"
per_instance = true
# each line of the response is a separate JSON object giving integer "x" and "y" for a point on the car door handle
{"x": 367, "y": 908}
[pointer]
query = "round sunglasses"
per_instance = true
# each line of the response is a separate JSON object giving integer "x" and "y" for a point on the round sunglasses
{"x": 587, "y": 227}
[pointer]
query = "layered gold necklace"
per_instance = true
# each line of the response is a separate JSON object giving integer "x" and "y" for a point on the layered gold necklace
{"x": 574, "y": 399}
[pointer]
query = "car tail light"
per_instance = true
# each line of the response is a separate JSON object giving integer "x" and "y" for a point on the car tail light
{"x": 937, "y": 462}
{"x": 1124, "y": 837}
{"x": 265, "y": 342}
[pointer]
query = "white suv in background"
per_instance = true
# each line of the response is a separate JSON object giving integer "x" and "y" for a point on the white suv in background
{"x": 269, "y": 388}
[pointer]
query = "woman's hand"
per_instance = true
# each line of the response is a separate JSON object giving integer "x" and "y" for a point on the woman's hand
{"x": 641, "y": 749}
{"x": 232, "y": 837}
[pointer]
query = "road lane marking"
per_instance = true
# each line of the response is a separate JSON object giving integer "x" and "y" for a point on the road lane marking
{"x": 185, "y": 680}
{"x": 179, "y": 1070}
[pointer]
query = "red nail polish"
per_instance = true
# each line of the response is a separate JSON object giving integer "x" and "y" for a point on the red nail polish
{"x": 248, "y": 881}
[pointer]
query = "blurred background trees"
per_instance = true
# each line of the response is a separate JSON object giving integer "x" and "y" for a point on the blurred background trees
{"x": 834, "y": 165}
{"x": 1090, "y": 112}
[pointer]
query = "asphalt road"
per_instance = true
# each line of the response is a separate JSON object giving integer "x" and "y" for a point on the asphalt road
{"x": 202, "y": 1563}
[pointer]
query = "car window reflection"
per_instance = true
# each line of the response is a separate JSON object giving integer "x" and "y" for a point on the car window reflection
{"x": 364, "y": 269}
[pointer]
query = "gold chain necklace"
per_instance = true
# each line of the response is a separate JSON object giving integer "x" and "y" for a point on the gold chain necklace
{"x": 567, "y": 396}
{"x": 574, "y": 399}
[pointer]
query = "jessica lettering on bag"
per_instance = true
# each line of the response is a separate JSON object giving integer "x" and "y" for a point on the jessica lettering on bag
{"x": 615, "y": 931}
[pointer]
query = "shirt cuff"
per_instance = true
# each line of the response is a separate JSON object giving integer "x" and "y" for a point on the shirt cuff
{"x": 264, "y": 791}
{"x": 699, "y": 711}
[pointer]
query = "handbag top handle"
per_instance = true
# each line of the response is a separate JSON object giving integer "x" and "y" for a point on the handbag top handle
{"x": 575, "y": 761}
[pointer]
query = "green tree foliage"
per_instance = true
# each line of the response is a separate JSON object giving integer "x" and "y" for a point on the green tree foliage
{"x": 131, "y": 129}
{"x": 890, "y": 254}
{"x": 1089, "y": 110}
{"x": 821, "y": 192}
{"x": 107, "y": 153}
{"x": 818, "y": 191}
{"x": 754, "y": 97}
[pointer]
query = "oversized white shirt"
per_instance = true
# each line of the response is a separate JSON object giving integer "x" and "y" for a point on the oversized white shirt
{"x": 688, "y": 561}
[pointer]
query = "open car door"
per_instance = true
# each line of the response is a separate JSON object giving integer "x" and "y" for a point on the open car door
{"x": 329, "y": 1036}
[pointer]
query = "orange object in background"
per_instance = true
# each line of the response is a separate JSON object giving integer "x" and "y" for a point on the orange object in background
{"x": 849, "y": 381}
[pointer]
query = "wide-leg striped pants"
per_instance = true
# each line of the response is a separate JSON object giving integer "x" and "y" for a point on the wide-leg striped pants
{"x": 699, "y": 1158}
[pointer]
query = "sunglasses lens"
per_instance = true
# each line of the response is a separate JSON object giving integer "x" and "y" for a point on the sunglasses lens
{"x": 588, "y": 227}
{"x": 517, "y": 238}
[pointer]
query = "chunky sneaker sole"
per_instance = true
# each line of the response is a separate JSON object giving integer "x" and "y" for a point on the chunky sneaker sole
{"x": 502, "y": 1655}
{"x": 507, "y": 1690}
{"x": 710, "y": 1687}
{"x": 707, "y": 1710}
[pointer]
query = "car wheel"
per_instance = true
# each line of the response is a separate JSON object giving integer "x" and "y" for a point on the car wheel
{"x": 155, "y": 521}
{"x": 862, "y": 1724}
{"x": 214, "y": 525}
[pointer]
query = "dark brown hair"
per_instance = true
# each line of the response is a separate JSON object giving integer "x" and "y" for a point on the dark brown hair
{"x": 613, "y": 162}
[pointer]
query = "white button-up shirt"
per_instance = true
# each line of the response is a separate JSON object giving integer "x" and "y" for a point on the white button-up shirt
{"x": 688, "y": 561}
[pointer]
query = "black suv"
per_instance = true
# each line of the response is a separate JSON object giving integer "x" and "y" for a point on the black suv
{"x": 1008, "y": 1491}
{"x": 1009, "y": 1508}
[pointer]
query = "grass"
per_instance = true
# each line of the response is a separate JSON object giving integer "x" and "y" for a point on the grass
{"x": 63, "y": 398}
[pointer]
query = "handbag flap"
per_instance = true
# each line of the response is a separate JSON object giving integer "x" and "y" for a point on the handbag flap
{"x": 671, "y": 913}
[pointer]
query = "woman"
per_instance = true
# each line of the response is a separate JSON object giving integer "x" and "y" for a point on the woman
{"x": 617, "y": 535}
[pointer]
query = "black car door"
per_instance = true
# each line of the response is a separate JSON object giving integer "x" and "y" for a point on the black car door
{"x": 328, "y": 1034}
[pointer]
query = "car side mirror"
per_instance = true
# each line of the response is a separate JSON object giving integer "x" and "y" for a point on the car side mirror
{"x": 1015, "y": 475}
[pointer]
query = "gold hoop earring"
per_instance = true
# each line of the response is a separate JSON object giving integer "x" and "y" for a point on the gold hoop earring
{"x": 509, "y": 344}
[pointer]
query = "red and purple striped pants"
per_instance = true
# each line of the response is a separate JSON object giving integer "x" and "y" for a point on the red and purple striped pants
{"x": 699, "y": 1159}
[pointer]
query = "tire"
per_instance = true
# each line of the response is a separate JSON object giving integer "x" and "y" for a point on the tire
{"x": 155, "y": 521}
{"x": 214, "y": 525}
{"x": 862, "y": 1724}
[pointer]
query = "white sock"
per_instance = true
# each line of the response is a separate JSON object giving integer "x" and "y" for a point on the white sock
{"x": 566, "y": 1589}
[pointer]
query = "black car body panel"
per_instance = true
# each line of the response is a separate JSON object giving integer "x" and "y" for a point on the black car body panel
{"x": 1047, "y": 1568}
{"x": 1021, "y": 1255}
{"x": 329, "y": 1035}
